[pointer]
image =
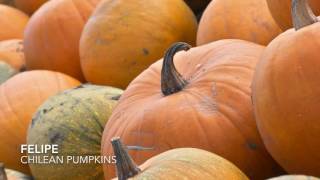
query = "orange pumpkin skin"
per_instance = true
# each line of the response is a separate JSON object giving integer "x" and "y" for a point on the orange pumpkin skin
{"x": 14, "y": 26}
{"x": 123, "y": 38}
{"x": 53, "y": 34}
{"x": 281, "y": 11}
{"x": 213, "y": 112}
{"x": 245, "y": 19}
{"x": 11, "y": 52}
{"x": 286, "y": 99}
{"x": 28, "y": 6}
{"x": 20, "y": 96}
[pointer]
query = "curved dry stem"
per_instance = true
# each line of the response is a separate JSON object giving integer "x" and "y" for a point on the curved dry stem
{"x": 171, "y": 79}
{"x": 126, "y": 168}
{"x": 302, "y": 14}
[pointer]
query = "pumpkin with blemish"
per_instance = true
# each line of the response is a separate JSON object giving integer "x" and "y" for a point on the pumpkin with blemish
{"x": 180, "y": 163}
{"x": 11, "y": 52}
{"x": 286, "y": 94}
{"x": 237, "y": 19}
{"x": 294, "y": 177}
{"x": 74, "y": 120}
{"x": 12, "y": 23}
{"x": 281, "y": 11}
{"x": 6, "y": 71}
{"x": 53, "y": 33}
{"x": 122, "y": 38}
{"x": 209, "y": 108}
{"x": 20, "y": 96}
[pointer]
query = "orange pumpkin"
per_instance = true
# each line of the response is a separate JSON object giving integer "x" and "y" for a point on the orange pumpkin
{"x": 11, "y": 52}
{"x": 28, "y": 6}
{"x": 209, "y": 108}
{"x": 20, "y": 96}
{"x": 286, "y": 95}
{"x": 281, "y": 11}
{"x": 53, "y": 33}
{"x": 123, "y": 37}
{"x": 237, "y": 19}
{"x": 12, "y": 23}
{"x": 180, "y": 163}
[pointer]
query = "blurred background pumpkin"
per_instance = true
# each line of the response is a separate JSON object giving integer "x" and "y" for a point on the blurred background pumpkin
{"x": 12, "y": 23}
{"x": 237, "y": 19}
{"x": 53, "y": 33}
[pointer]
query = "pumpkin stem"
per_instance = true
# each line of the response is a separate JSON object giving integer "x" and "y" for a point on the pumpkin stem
{"x": 126, "y": 168}
{"x": 171, "y": 79}
{"x": 302, "y": 14}
{"x": 3, "y": 174}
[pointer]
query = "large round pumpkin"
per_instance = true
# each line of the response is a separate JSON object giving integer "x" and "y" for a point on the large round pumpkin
{"x": 74, "y": 120}
{"x": 20, "y": 97}
{"x": 6, "y": 71}
{"x": 180, "y": 163}
{"x": 28, "y": 6}
{"x": 12, "y": 23}
{"x": 286, "y": 95}
{"x": 281, "y": 11}
{"x": 237, "y": 19}
{"x": 11, "y": 52}
{"x": 53, "y": 33}
{"x": 123, "y": 37}
{"x": 210, "y": 108}
{"x": 294, "y": 177}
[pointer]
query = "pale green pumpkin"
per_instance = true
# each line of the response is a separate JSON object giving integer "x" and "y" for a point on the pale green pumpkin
{"x": 74, "y": 120}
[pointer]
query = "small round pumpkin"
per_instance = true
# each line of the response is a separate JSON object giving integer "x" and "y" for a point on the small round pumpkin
{"x": 53, "y": 33}
{"x": 74, "y": 120}
{"x": 237, "y": 19}
{"x": 12, "y": 23}
{"x": 281, "y": 11}
{"x": 286, "y": 95}
{"x": 11, "y": 52}
{"x": 180, "y": 163}
{"x": 6, "y": 71}
{"x": 209, "y": 108}
{"x": 20, "y": 96}
{"x": 28, "y": 6}
{"x": 294, "y": 177}
{"x": 122, "y": 38}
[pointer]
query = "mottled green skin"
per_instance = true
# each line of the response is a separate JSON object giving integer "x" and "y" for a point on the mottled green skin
{"x": 74, "y": 120}
{"x": 6, "y": 71}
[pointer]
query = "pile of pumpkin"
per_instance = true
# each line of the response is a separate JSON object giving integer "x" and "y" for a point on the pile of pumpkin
{"x": 235, "y": 96}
